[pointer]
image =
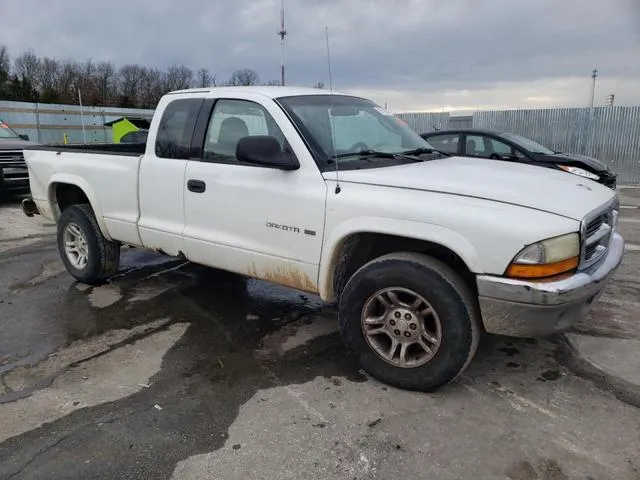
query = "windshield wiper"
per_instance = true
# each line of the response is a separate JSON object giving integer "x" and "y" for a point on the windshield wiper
{"x": 375, "y": 153}
{"x": 422, "y": 150}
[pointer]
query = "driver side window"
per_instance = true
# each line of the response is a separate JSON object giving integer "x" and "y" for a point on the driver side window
{"x": 232, "y": 120}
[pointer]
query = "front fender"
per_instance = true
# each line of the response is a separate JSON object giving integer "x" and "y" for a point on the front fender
{"x": 389, "y": 226}
{"x": 81, "y": 183}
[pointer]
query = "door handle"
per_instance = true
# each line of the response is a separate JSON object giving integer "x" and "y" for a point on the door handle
{"x": 196, "y": 186}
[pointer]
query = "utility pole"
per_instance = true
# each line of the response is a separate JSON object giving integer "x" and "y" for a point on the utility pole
{"x": 594, "y": 75}
{"x": 591, "y": 124}
{"x": 84, "y": 133}
{"x": 282, "y": 33}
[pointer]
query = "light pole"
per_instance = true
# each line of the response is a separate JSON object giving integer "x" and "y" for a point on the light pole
{"x": 594, "y": 75}
{"x": 75, "y": 87}
{"x": 84, "y": 134}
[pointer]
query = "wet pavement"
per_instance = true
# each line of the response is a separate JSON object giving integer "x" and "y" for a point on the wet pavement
{"x": 172, "y": 370}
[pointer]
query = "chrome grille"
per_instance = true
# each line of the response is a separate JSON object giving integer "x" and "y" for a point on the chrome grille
{"x": 597, "y": 230}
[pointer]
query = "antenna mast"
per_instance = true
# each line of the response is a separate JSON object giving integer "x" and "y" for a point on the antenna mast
{"x": 282, "y": 33}
{"x": 333, "y": 127}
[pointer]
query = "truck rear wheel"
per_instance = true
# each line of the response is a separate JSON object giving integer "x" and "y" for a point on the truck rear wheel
{"x": 410, "y": 321}
{"x": 87, "y": 255}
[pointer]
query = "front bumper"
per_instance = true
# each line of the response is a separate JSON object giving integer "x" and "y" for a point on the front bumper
{"x": 520, "y": 308}
{"x": 14, "y": 180}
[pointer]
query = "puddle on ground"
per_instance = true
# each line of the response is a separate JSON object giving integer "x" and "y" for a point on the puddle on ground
{"x": 205, "y": 377}
{"x": 297, "y": 334}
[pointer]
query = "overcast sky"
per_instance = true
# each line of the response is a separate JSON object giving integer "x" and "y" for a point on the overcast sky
{"x": 411, "y": 54}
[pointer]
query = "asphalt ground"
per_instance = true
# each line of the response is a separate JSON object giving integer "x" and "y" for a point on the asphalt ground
{"x": 172, "y": 370}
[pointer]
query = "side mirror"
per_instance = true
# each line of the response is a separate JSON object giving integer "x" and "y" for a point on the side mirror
{"x": 24, "y": 137}
{"x": 264, "y": 150}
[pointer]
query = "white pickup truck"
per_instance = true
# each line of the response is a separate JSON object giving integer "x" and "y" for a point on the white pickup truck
{"x": 331, "y": 194}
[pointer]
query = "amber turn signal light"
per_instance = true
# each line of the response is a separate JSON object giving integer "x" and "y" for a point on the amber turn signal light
{"x": 542, "y": 271}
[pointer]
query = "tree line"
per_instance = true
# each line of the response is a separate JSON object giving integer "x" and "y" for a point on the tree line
{"x": 29, "y": 78}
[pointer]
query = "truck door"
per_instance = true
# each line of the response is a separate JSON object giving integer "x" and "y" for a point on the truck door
{"x": 263, "y": 222}
{"x": 161, "y": 177}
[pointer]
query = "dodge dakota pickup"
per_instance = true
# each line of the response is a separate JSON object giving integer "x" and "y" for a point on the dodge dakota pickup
{"x": 331, "y": 194}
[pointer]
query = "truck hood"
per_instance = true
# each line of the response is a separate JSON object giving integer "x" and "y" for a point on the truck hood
{"x": 15, "y": 144}
{"x": 529, "y": 186}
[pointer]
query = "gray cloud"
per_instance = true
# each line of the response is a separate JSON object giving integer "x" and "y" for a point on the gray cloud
{"x": 410, "y": 49}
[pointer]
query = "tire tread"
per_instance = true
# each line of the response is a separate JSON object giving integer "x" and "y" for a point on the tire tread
{"x": 375, "y": 269}
{"x": 108, "y": 252}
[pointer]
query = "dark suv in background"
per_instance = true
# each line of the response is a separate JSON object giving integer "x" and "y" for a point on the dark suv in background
{"x": 479, "y": 143}
{"x": 14, "y": 176}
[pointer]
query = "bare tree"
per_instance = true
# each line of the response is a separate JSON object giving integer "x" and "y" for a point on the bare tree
{"x": 27, "y": 66}
{"x": 5, "y": 59}
{"x": 106, "y": 82}
{"x": 5, "y": 70}
{"x": 87, "y": 83}
{"x": 130, "y": 77}
{"x": 245, "y": 77}
{"x": 49, "y": 71}
{"x": 27, "y": 72}
{"x": 205, "y": 79}
{"x": 31, "y": 78}
{"x": 151, "y": 87}
{"x": 178, "y": 78}
{"x": 69, "y": 71}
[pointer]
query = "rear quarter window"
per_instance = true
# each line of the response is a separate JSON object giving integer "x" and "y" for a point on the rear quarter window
{"x": 175, "y": 130}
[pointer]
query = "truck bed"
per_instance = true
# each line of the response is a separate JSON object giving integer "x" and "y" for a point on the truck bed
{"x": 128, "y": 149}
{"x": 107, "y": 174}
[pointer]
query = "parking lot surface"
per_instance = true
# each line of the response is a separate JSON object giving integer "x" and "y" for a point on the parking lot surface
{"x": 172, "y": 370}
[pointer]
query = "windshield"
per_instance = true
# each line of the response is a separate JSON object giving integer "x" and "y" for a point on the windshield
{"x": 528, "y": 144}
{"x": 6, "y": 132}
{"x": 337, "y": 125}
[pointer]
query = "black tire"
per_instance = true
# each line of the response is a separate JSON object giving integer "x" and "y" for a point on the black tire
{"x": 103, "y": 257}
{"x": 443, "y": 289}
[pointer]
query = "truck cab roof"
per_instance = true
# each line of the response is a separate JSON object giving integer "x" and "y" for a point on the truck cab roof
{"x": 267, "y": 91}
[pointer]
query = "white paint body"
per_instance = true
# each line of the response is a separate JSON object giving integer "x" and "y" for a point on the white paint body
{"x": 485, "y": 211}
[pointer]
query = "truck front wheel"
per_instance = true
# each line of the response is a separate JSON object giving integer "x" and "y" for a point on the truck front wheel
{"x": 410, "y": 321}
{"x": 86, "y": 254}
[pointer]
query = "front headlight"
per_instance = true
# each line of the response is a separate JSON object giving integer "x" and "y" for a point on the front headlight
{"x": 580, "y": 171}
{"x": 547, "y": 258}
